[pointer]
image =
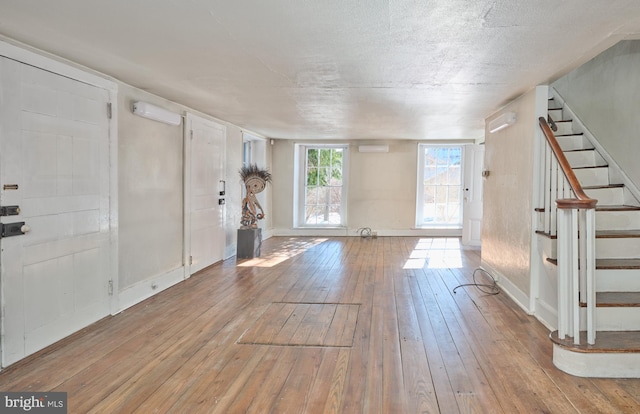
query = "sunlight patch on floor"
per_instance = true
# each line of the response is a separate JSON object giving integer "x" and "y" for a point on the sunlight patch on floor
{"x": 288, "y": 249}
{"x": 435, "y": 253}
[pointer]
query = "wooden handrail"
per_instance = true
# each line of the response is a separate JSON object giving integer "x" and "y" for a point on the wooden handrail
{"x": 582, "y": 201}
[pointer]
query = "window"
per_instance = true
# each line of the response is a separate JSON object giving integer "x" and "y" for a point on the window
{"x": 320, "y": 185}
{"x": 439, "y": 201}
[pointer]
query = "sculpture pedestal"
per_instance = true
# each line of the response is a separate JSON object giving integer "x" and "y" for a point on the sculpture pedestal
{"x": 249, "y": 242}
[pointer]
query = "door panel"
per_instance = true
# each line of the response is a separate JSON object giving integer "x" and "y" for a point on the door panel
{"x": 206, "y": 170}
{"x": 472, "y": 204}
{"x": 54, "y": 145}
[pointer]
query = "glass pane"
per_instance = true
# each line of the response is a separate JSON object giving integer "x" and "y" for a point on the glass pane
{"x": 429, "y": 193}
{"x": 323, "y": 175}
{"x": 334, "y": 215}
{"x": 312, "y": 176}
{"x": 325, "y": 157}
{"x": 441, "y": 195}
{"x": 336, "y": 195}
{"x": 312, "y": 157}
{"x": 323, "y": 195}
{"x": 311, "y": 196}
{"x": 441, "y": 174}
{"x": 311, "y": 214}
{"x": 336, "y": 176}
{"x": 428, "y": 212}
{"x": 454, "y": 194}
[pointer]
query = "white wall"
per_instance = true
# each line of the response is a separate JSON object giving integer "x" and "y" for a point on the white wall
{"x": 603, "y": 93}
{"x": 381, "y": 191}
{"x": 507, "y": 230}
{"x": 150, "y": 181}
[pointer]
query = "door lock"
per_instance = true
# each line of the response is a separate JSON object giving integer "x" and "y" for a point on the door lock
{"x": 14, "y": 229}
{"x": 9, "y": 210}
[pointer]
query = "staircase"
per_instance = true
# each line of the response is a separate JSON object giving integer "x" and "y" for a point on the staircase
{"x": 616, "y": 352}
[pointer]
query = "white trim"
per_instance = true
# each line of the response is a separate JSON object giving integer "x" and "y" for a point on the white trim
{"x": 339, "y": 232}
{"x": 299, "y": 180}
{"x": 149, "y": 287}
{"x": 508, "y": 287}
{"x": 535, "y": 270}
{"x": 419, "y": 212}
{"x": 597, "y": 364}
{"x": 34, "y": 59}
{"x": 546, "y": 314}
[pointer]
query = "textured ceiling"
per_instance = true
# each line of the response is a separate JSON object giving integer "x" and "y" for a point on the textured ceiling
{"x": 330, "y": 69}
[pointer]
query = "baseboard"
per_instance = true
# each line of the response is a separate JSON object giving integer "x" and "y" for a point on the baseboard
{"x": 546, "y": 314}
{"x": 148, "y": 287}
{"x": 597, "y": 364}
{"x": 506, "y": 286}
{"x": 342, "y": 232}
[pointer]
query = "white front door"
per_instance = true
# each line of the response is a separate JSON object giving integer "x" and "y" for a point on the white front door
{"x": 205, "y": 151}
{"x": 54, "y": 165}
{"x": 472, "y": 195}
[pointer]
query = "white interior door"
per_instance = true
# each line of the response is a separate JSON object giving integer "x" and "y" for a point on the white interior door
{"x": 205, "y": 150}
{"x": 472, "y": 193}
{"x": 54, "y": 165}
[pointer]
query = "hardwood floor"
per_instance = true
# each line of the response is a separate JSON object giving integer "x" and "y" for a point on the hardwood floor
{"x": 335, "y": 325}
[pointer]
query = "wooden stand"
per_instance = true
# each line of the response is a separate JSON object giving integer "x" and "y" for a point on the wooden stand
{"x": 249, "y": 242}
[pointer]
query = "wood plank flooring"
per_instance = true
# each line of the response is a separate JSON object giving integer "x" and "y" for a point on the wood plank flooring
{"x": 322, "y": 325}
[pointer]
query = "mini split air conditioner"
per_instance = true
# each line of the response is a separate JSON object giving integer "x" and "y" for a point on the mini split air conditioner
{"x": 373, "y": 148}
{"x": 501, "y": 122}
{"x": 156, "y": 113}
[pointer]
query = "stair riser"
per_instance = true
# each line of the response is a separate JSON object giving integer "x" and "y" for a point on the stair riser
{"x": 618, "y": 280}
{"x": 555, "y": 114}
{"x": 617, "y": 248}
{"x": 588, "y": 158}
{"x": 617, "y": 220}
{"x": 609, "y": 248}
{"x": 574, "y": 142}
{"x": 564, "y": 128}
{"x": 607, "y": 196}
{"x": 614, "y": 319}
{"x": 590, "y": 177}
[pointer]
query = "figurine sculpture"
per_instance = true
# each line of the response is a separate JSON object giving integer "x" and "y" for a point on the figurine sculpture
{"x": 255, "y": 181}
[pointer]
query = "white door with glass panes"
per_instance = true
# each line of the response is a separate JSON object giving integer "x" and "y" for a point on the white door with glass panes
{"x": 439, "y": 192}
{"x": 55, "y": 179}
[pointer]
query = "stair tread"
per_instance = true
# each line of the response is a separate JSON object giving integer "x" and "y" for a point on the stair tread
{"x": 590, "y": 166}
{"x": 595, "y": 187}
{"x": 617, "y": 299}
{"x": 610, "y": 342}
{"x": 604, "y": 234}
{"x": 617, "y": 263}
{"x": 606, "y": 207}
{"x": 611, "y": 234}
{"x": 610, "y": 263}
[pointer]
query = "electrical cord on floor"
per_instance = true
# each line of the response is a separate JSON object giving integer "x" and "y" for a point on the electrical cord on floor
{"x": 493, "y": 288}
{"x": 365, "y": 232}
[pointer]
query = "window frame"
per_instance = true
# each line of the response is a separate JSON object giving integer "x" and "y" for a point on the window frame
{"x": 300, "y": 185}
{"x": 419, "y": 218}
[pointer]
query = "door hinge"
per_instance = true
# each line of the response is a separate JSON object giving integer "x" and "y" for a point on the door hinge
{"x": 109, "y": 113}
{"x": 110, "y": 288}
{"x": 191, "y": 133}
{"x": 190, "y": 260}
